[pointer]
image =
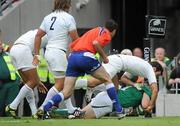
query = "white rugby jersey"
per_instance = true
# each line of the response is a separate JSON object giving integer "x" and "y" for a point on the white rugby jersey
{"x": 28, "y": 39}
{"x": 57, "y": 25}
{"x": 134, "y": 66}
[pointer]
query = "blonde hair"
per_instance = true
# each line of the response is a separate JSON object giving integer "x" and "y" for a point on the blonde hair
{"x": 62, "y": 5}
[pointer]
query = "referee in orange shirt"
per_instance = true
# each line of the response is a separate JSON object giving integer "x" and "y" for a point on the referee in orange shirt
{"x": 82, "y": 60}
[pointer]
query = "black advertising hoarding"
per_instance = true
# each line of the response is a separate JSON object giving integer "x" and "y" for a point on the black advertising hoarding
{"x": 155, "y": 26}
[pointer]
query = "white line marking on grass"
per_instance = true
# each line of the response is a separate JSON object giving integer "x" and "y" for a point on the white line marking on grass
{"x": 10, "y": 121}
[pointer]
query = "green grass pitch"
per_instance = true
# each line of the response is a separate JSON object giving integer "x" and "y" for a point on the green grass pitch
{"x": 128, "y": 121}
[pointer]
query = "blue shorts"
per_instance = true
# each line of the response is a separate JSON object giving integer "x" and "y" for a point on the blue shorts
{"x": 80, "y": 63}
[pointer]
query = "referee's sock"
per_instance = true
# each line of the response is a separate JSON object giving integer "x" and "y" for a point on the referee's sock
{"x": 56, "y": 99}
{"x": 113, "y": 96}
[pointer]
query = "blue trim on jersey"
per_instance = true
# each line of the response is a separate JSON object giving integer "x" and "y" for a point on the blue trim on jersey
{"x": 102, "y": 29}
{"x": 80, "y": 63}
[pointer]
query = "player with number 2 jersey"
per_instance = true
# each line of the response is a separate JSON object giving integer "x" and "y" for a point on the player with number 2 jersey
{"x": 60, "y": 28}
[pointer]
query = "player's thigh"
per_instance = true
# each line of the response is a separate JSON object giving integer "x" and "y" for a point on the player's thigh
{"x": 56, "y": 59}
{"x": 102, "y": 75}
{"x": 23, "y": 77}
{"x": 93, "y": 82}
{"x": 101, "y": 104}
{"x": 21, "y": 56}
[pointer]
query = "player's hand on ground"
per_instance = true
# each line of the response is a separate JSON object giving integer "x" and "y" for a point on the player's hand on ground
{"x": 35, "y": 60}
{"x": 149, "y": 109}
{"x": 42, "y": 88}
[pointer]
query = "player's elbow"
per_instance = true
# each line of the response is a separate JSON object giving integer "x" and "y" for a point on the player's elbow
{"x": 40, "y": 33}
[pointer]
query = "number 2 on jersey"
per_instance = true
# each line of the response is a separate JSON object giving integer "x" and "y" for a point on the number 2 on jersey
{"x": 53, "y": 19}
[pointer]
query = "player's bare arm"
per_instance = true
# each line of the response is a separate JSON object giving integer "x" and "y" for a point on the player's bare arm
{"x": 153, "y": 97}
{"x": 74, "y": 35}
{"x": 37, "y": 45}
{"x": 101, "y": 52}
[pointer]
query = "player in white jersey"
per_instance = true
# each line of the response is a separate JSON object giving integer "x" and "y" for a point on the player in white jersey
{"x": 22, "y": 57}
{"x": 129, "y": 96}
{"x": 60, "y": 28}
{"x": 132, "y": 65}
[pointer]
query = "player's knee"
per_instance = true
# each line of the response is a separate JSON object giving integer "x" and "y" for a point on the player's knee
{"x": 32, "y": 83}
{"x": 59, "y": 87}
{"x": 91, "y": 84}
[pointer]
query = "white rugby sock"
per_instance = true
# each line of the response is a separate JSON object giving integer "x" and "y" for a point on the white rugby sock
{"x": 53, "y": 91}
{"x": 69, "y": 105}
{"x": 21, "y": 95}
{"x": 81, "y": 83}
{"x": 31, "y": 100}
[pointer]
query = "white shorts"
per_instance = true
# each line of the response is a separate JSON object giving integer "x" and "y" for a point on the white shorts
{"x": 22, "y": 56}
{"x": 101, "y": 104}
{"x": 56, "y": 59}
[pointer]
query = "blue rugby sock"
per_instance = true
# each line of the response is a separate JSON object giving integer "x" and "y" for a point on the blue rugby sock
{"x": 56, "y": 99}
{"x": 113, "y": 96}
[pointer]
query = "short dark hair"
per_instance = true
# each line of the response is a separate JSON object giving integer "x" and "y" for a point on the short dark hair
{"x": 61, "y": 5}
{"x": 157, "y": 66}
{"x": 111, "y": 25}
